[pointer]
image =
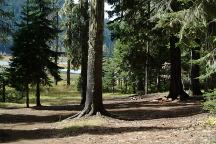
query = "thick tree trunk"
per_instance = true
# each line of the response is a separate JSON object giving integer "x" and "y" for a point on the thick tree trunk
{"x": 176, "y": 87}
{"x": 38, "y": 103}
{"x": 84, "y": 40}
{"x": 195, "y": 73}
{"x": 68, "y": 71}
{"x": 140, "y": 85}
{"x": 27, "y": 95}
{"x": 94, "y": 103}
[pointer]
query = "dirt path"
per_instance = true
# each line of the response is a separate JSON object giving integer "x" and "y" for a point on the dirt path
{"x": 143, "y": 121}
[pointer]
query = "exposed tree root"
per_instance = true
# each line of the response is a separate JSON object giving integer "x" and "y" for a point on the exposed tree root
{"x": 182, "y": 96}
{"x": 91, "y": 112}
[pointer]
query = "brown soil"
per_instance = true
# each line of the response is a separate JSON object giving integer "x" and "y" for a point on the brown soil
{"x": 142, "y": 120}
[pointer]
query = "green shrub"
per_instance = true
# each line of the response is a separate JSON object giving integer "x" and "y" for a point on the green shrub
{"x": 210, "y": 103}
{"x": 14, "y": 96}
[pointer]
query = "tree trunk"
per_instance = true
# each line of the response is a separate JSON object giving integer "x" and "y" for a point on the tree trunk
{"x": 84, "y": 42}
{"x": 146, "y": 73}
{"x": 195, "y": 73}
{"x": 140, "y": 84}
{"x": 120, "y": 83}
{"x": 147, "y": 51}
{"x": 38, "y": 94}
{"x": 113, "y": 83}
{"x": 26, "y": 85}
{"x": 27, "y": 95}
{"x": 125, "y": 85}
{"x": 68, "y": 71}
{"x": 94, "y": 103}
{"x": 158, "y": 81}
{"x": 57, "y": 45}
{"x": 3, "y": 91}
{"x": 176, "y": 87}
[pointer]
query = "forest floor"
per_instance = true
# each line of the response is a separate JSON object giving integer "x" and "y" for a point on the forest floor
{"x": 143, "y": 120}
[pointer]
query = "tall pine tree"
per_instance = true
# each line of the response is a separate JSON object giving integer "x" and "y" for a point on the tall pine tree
{"x": 32, "y": 56}
{"x": 5, "y": 21}
{"x": 94, "y": 102}
{"x": 71, "y": 38}
{"x": 20, "y": 66}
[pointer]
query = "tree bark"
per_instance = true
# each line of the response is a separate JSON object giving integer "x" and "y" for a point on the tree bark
{"x": 146, "y": 71}
{"x": 68, "y": 71}
{"x": 57, "y": 45}
{"x": 38, "y": 103}
{"x": 85, "y": 47}
{"x": 113, "y": 82}
{"x": 94, "y": 103}
{"x": 176, "y": 87}
{"x": 3, "y": 91}
{"x": 158, "y": 81}
{"x": 195, "y": 73}
{"x": 27, "y": 95}
{"x": 147, "y": 51}
{"x": 140, "y": 84}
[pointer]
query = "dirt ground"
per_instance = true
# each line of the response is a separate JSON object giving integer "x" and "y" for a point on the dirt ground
{"x": 142, "y": 120}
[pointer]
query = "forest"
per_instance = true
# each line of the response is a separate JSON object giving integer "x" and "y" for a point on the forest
{"x": 108, "y": 71}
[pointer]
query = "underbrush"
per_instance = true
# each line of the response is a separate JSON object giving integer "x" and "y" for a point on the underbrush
{"x": 60, "y": 94}
{"x": 210, "y": 103}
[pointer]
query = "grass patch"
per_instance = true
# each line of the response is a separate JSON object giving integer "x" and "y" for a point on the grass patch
{"x": 8, "y": 105}
{"x": 60, "y": 94}
{"x": 52, "y": 97}
{"x": 72, "y": 125}
{"x": 115, "y": 95}
{"x": 211, "y": 121}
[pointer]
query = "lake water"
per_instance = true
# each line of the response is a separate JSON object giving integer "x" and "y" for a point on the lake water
{"x": 6, "y": 63}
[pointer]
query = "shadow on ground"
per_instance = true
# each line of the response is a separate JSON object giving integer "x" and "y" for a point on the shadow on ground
{"x": 60, "y": 108}
{"x": 21, "y": 118}
{"x": 125, "y": 110}
{"x": 128, "y": 110}
{"x": 148, "y": 114}
{"x": 8, "y": 135}
{"x": 146, "y": 110}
